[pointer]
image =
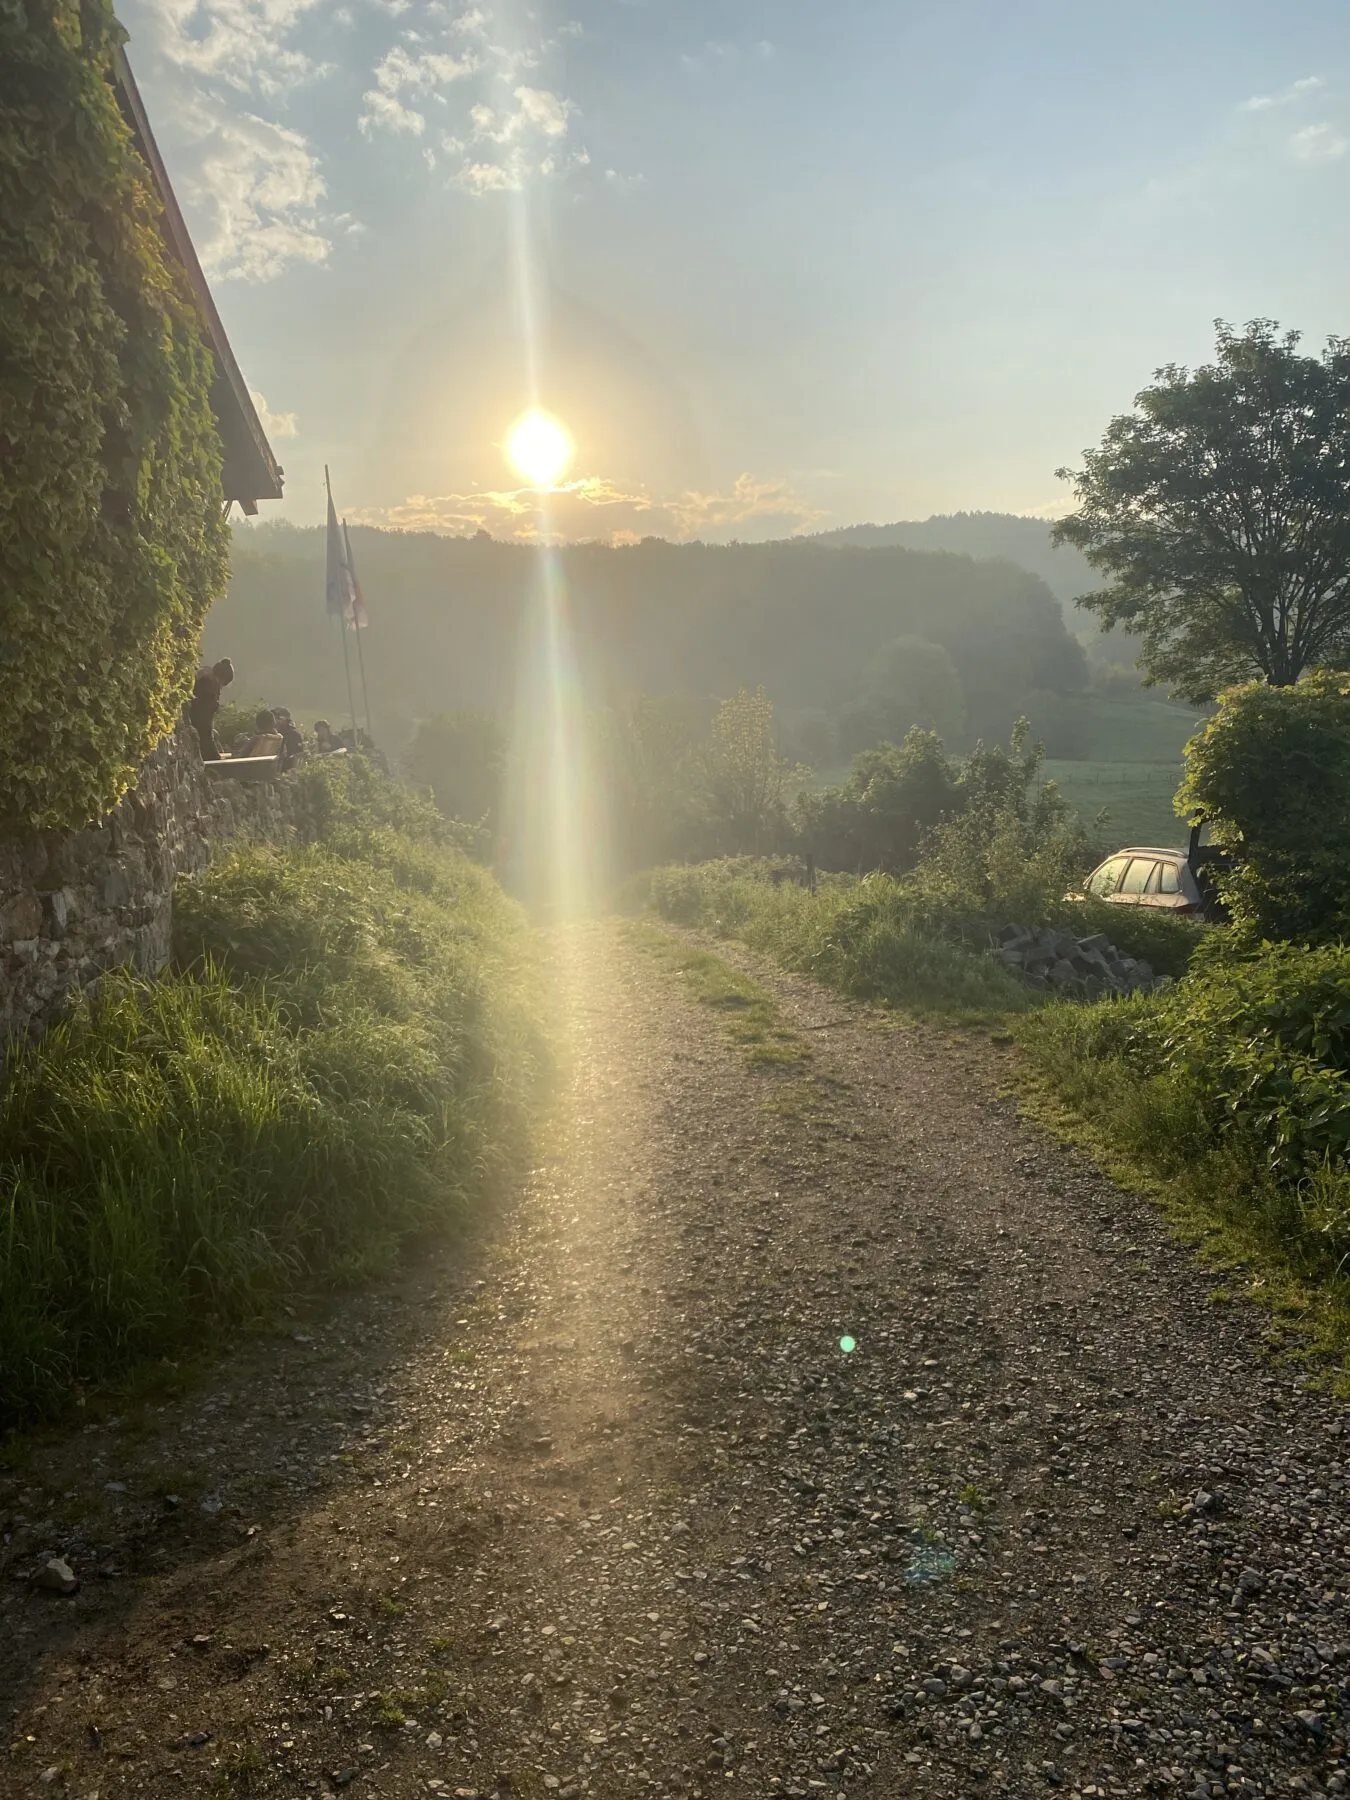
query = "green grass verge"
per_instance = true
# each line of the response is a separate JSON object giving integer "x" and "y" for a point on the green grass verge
{"x": 748, "y": 1014}
{"x": 1203, "y": 1101}
{"x": 347, "y": 1052}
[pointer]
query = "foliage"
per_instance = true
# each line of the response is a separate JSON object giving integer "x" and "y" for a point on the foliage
{"x": 644, "y": 757}
{"x": 740, "y": 777}
{"x": 1220, "y": 510}
{"x": 235, "y": 721}
{"x": 907, "y": 682}
{"x": 461, "y": 757}
{"x": 347, "y": 1053}
{"x": 894, "y": 797}
{"x": 1270, "y": 775}
{"x": 111, "y": 516}
{"x": 983, "y": 836}
{"x": 1232, "y": 1087}
{"x": 1012, "y": 845}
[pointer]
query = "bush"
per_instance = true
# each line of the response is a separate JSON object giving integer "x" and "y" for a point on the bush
{"x": 1270, "y": 774}
{"x": 345, "y": 1054}
{"x": 895, "y": 795}
{"x": 111, "y": 516}
{"x": 1232, "y": 1086}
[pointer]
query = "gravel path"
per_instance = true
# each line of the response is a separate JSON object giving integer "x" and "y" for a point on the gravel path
{"x": 610, "y": 1510}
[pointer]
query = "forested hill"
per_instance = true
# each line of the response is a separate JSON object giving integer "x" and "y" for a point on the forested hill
{"x": 1065, "y": 571}
{"x": 802, "y": 618}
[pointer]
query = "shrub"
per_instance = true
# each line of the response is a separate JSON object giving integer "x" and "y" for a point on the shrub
{"x": 895, "y": 795}
{"x": 1270, "y": 773}
{"x": 1232, "y": 1086}
{"x": 112, "y": 534}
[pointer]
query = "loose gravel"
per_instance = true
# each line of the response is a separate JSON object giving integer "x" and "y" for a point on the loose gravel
{"x": 816, "y": 1429}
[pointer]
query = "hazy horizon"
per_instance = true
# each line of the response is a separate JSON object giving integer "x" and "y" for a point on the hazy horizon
{"x": 778, "y": 271}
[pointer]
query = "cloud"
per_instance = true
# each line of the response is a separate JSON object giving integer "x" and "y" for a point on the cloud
{"x": 499, "y": 131}
{"x": 252, "y": 185}
{"x": 241, "y": 43}
{"x": 545, "y": 111}
{"x": 419, "y": 74}
{"x": 258, "y": 188}
{"x": 593, "y": 508}
{"x": 276, "y": 425}
{"x": 749, "y": 499}
{"x": 1318, "y": 143}
{"x": 1296, "y": 90}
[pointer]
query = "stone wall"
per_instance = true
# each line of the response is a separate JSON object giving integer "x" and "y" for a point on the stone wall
{"x": 73, "y": 905}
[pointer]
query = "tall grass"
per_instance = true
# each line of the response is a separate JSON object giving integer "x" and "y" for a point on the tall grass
{"x": 347, "y": 1052}
{"x": 1231, "y": 1092}
{"x": 915, "y": 942}
{"x": 865, "y": 938}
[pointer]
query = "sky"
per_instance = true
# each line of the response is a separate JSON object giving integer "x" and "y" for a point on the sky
{"x": 778, "y": 266}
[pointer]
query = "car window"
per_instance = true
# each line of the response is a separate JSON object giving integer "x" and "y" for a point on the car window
{"x": 1137, "y": 876}
{"x": 1171, "y": 879}
{"x": 1106, "y": 880}
{"x": 1151, "y": 885}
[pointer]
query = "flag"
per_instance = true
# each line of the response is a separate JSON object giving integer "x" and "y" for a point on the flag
{"x": 356, "y": 612}
{"x": 341, "y": 584}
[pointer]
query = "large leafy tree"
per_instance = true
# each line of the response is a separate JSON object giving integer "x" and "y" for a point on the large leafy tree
{"x": 1219, "y": 511}
{"x": 1270, "y": 775}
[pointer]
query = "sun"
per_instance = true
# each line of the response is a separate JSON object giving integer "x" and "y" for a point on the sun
{"x": 539, "y": 448}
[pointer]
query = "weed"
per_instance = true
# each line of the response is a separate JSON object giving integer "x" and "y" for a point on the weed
{"x": 347, "y": 1053}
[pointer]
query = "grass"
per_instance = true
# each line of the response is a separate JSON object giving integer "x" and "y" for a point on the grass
{"x": 1176, "y": 1108}
{"x": 746, "y": 1012}
{"x": 862, "y": 938}
{"x": 345, "y": 1055}
{"x": 1136, "y": 798}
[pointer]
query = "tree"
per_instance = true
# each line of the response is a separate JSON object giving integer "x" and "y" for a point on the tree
{"x": 1220, "y": 512}
{"x": 894, "y": 797}
{"x": 461, "y": 757}
{"x": 743, "y": 777}
{"x": 1270, "y": 776}
{"x": 909, "y": 681}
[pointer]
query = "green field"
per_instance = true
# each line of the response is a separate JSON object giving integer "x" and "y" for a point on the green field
{"x": 1135, "y": 796}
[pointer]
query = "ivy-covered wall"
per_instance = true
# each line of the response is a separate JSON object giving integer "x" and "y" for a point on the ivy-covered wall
{"x": 112, "y": 532}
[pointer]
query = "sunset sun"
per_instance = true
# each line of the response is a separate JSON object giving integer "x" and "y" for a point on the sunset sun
{"x": 539, "y": 448}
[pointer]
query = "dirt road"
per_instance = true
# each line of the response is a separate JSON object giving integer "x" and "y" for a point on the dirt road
{"x": 616, "y": 1509}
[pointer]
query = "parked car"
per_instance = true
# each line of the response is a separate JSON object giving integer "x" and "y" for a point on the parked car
{"x": 1175, "y": 881}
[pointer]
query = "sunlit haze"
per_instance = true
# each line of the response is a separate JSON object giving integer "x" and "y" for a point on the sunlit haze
{"x": 796, "y": 266}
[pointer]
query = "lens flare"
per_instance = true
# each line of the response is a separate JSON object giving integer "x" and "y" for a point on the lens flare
{"x": 539, "y": 448}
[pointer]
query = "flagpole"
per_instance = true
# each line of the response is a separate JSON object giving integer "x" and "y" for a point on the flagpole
{"x": 342, "y": 626}
{"x": 360, "y": 652}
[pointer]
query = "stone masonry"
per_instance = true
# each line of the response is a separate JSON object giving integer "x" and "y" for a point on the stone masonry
{"x": 73, "y": 905}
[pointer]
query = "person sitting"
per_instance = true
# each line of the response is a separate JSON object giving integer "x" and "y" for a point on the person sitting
{"x": 292, "y": 743}
{"x": 268, "y": 741}
{"x": 205, "y": 704}
{"x": 323, "y": 737}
